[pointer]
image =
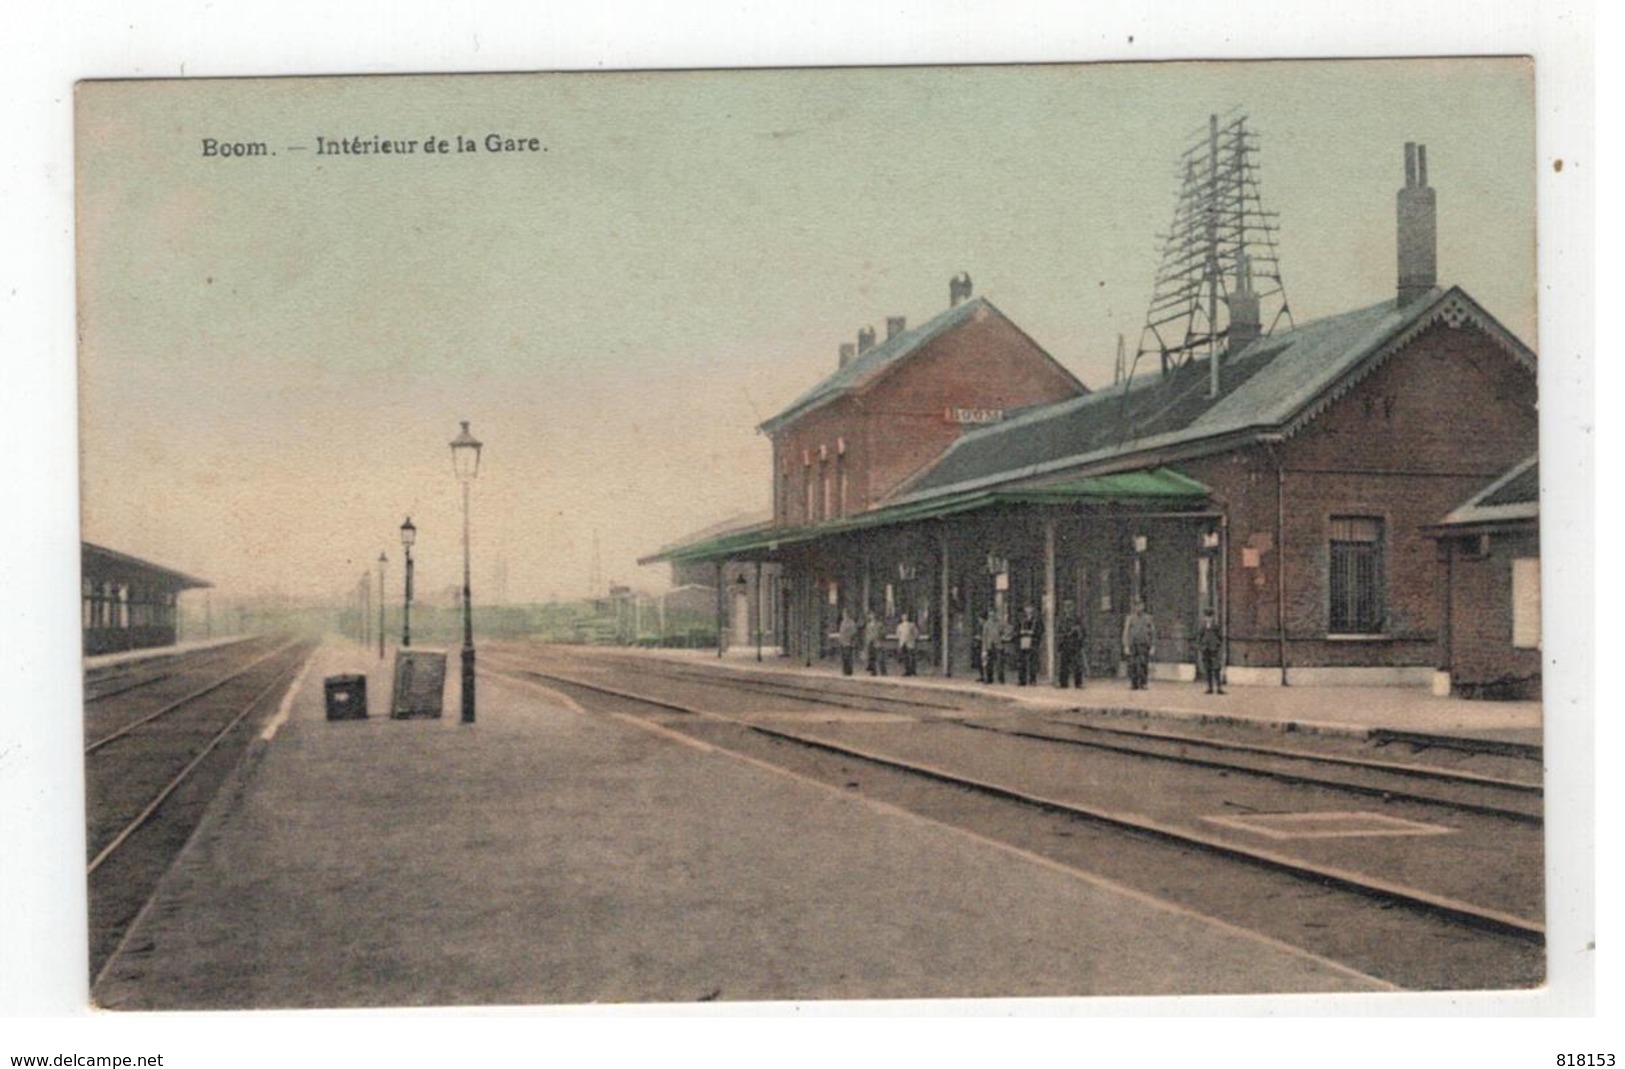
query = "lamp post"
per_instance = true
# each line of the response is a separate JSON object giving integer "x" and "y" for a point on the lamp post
{"x": 465, "y": 461}
{"x": 382, "y": 560}
{"x": 409, "y": 535}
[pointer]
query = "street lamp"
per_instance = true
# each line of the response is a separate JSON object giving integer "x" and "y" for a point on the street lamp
{"x": 465, "y": 461}
{"x": 382, "y": 560}
{"x": 409, "y": 535}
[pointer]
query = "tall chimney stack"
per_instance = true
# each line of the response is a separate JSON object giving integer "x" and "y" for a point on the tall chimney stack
{"x": 848, "y": 351}
{"x": 1418, "y": 228}
{"x": 959, "y": 289}
{"x": 895, "y": 325}
{"x": 866, "y": 340}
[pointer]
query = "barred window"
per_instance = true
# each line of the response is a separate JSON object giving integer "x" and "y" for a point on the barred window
{"x": 1356, "y": 595}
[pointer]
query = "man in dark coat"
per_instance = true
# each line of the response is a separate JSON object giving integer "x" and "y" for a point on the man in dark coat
{"x": 874, "y": 644}
{"x": 1069, "y": 645}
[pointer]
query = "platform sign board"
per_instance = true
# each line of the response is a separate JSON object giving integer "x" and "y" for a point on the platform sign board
{"x": 420, "y": 684}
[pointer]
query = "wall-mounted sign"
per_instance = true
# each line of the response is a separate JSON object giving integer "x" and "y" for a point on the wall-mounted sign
{"x": 973, "y": 415}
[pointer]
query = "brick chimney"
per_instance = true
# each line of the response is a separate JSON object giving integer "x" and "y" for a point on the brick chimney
{"x": 1418, "y": 228}
{"x": 895, "y": 325}
{"x": 866, "y": 340}
{"x": 959, "y": 288}
{"x": 848, "y": 351}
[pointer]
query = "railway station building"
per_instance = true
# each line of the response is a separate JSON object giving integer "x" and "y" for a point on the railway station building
{"x": 1490, "y": 552}
{"x": 127, "y": 603}
{"x": 1293, "y": 482}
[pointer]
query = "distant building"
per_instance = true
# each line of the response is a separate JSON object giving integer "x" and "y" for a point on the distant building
{"x": 127, "y": 603}
{"x": 1284, "y": 481}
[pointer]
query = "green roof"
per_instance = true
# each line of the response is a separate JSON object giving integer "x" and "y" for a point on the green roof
{"x": 1158, "y": 486}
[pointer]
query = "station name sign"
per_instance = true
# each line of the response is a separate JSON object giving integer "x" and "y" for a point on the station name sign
{"x": 973, "y": 415}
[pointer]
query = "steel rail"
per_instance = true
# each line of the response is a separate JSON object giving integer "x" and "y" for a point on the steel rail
{"x": 1358, "y": 883}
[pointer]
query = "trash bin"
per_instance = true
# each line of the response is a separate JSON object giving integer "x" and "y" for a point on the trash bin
{"x": 346, "y": 697}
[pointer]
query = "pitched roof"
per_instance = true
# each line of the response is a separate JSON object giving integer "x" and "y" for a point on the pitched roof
{"x": 1275, "y": 385}
{"x": 740, "y": 523}
{"x": 1513, "y": 497}
{"x": 863, "y": 369}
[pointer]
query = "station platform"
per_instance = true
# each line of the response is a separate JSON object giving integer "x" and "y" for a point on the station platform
{"x": 545, "y": 855}
{"x": 1361, "y": 712}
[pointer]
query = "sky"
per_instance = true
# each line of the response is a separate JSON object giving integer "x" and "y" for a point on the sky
{"x": 276, "y": 350}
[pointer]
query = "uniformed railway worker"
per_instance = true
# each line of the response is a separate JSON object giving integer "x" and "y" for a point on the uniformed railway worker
{"x": 992, "y": 648}
{"x": 848, "y": 635}
{"x": 1209, "y": 646}
{"x": 874, "y": 644}
{"x": 1139, "y": 645}
{"x": 1070, "y": 640}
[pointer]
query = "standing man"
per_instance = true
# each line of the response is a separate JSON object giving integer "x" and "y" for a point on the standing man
{"x": 848, "y": 635}
{"x": 1139, "y": 645}
{"x": 992, "y": 647}
{"x": 908, "y": 638}
{"x": 1209, "y": 644}
{"x": 874, "y": 644}
{"x": 1029, "y": 636}
{"x": 1069, "y": 645}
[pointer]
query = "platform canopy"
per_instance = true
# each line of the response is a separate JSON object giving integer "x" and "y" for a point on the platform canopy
{"x": 1156, "y": 487}
{"x": 100, "y": 564}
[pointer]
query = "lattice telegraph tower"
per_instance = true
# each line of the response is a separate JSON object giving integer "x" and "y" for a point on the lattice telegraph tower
{"x": 1219, "y": 262}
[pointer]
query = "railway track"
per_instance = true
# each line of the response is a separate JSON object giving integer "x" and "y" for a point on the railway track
{"x": 149, "y": 780}
{"x": 1414, "y": 936}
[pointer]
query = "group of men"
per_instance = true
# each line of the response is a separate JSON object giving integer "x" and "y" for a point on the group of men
{"x": 1002, "y": 642}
